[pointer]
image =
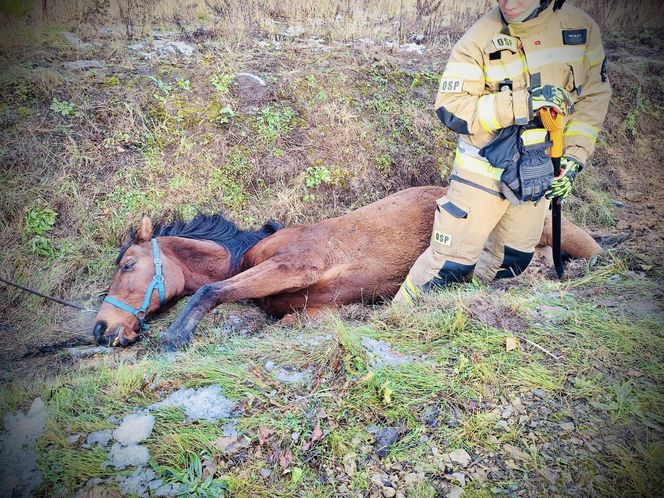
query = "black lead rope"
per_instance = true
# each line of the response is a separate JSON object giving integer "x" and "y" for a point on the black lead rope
{"x": 46, "y": 296}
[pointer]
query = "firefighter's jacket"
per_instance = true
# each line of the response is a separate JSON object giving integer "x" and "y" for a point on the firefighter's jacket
{"x": 561, "y": 48}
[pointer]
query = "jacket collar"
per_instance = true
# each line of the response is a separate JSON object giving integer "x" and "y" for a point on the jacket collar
{"x": 533, "y": 26}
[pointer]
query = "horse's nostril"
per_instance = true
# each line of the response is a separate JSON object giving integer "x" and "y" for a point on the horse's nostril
{"x": 99, "y": 329}
{"x": 124, "y": 341}
{"x": 106, "y": 340}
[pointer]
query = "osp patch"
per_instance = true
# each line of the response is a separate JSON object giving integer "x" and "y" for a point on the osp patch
{"x": 505, "y": 42}
{"x": 448, "y": 85}
{"x": 442, "y": 238}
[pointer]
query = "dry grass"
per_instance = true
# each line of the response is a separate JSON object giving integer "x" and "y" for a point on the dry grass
{"x": 335, "y": 18}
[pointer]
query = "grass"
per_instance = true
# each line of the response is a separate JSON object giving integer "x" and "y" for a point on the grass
{"x": 463, "y": 366}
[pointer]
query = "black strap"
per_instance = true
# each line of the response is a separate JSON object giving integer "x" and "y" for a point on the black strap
{"x": 476, "y": 185}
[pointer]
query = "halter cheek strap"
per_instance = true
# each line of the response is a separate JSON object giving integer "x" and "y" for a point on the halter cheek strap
{"x": 157, "y": 283}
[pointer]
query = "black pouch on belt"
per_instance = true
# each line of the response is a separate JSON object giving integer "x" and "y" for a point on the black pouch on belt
{"x": 528, "y": 169}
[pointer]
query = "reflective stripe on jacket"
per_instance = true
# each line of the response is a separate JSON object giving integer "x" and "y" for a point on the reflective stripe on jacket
{"x": 561, "y": 48}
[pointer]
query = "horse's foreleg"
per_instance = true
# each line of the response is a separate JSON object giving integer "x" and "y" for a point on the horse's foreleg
{"x": 574, "y": 240}
{"x": 262, "y": 280}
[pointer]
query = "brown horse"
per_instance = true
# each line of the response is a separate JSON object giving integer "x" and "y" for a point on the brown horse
{"x": 362, "y": 256}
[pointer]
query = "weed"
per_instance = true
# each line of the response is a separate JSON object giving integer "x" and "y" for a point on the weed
{"x": 274, "y": 122}
{"x": 630, "y": 124}
{"x": 221, "y": 82}
{"x": 316, "y": 175}
{"x": 225, "y": 115}
{"x": 194, "y": 481}
{"x": 63, "y": 107}
{"x": 184, "y": 84}
{"x": 40, "y": 219}
{"x": 162, "y": 85}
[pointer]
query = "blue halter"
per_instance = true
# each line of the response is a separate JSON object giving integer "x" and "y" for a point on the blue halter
{"x": 157, "y": 282}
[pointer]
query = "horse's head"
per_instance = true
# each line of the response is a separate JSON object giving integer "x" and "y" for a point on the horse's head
{"x": 146, "y": 277}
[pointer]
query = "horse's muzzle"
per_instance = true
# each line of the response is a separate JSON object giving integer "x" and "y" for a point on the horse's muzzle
{"x": 98, "y": 333}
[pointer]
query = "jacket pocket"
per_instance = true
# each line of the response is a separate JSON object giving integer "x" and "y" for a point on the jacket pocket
{"x": 450, "y": 227}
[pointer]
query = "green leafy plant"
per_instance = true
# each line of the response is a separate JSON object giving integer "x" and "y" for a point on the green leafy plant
{"x": 162, "y": 85}
{"x": 63, "y": 107}
{"x": 225, "y": 115}
{"x": 194, "y": 480}
{"x": 41, "y": 246}
{"x": 222, "y": 82}
{"x": 40, "y": 219}
{"x": 316, "y": 175}
{"x": 275, "y": 122}
{"x": 184, "y": 84}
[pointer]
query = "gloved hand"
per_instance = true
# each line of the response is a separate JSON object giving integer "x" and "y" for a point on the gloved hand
{"x": 552, "y": 96}
{"x": 562, "y": 186}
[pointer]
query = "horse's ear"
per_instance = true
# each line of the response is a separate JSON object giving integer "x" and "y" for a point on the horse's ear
{"x": 144, "y": 232}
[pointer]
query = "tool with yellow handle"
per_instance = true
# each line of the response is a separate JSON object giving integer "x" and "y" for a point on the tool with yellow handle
{"x": 553, "y": 122}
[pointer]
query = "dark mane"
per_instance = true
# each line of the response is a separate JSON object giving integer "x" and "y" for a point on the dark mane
{"x": 215, "y": 228}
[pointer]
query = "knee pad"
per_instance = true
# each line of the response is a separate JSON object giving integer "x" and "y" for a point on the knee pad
{"x": 451, "y": 272}
{"x": 514, "y": 262}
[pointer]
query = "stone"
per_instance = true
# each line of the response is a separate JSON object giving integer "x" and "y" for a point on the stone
{"x": 134, "y": 429}
{"x": 389, "y": 492}
{"x": 205, "y": 403}
{"x": 385, "y": 437}
{"x": 122, "y": 457}
{"x": 454, "y": 492}
{"x": 458, "y": 477}
{"x": 168, "y": 47}
{"x": 19, "y": 472}
{"x": 502, "y": 424}
{"x": 265, "y": 472}
{"x": 87, "y": 351}
{"x": 460, "y": 456}
{"x": 250, "y": 76}
{"x": 567, "y": 426}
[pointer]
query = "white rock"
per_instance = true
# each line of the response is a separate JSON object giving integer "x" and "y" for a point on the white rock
{"x": 460, "y": 456}
{"x": 252, "y": 77}
{"x": 455, "y": 492}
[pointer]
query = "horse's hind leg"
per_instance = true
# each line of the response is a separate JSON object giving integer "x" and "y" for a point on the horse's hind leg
{"x": 265, "y": 279}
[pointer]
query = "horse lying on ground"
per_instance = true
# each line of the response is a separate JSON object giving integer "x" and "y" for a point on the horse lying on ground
{"x": 362, "y": 256}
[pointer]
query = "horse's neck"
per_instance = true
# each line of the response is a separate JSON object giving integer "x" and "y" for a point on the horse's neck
{"x": 201, "y": 261}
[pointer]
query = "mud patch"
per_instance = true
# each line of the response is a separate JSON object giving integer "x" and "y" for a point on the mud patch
{"x": 19, "y": 473}
{"x": 495, "y": 314}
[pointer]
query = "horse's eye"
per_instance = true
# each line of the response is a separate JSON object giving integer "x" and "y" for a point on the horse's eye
{"x": 127, "y": 267}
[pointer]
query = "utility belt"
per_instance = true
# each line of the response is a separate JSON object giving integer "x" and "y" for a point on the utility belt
{"x": 516, "y": 161}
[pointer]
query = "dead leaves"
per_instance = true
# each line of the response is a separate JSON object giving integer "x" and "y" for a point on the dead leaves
{"x": 316, "y": 435}
{"x": 512, "y": 343}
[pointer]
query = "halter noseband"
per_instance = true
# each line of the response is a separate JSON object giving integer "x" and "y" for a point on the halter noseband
{"x": 157, "y": 283}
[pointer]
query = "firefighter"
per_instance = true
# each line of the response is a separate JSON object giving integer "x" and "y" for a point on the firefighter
{"x": 521, "y": 56}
